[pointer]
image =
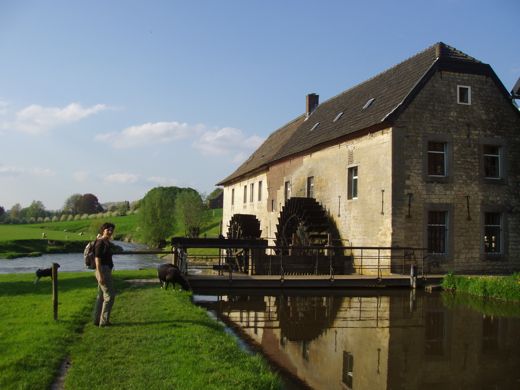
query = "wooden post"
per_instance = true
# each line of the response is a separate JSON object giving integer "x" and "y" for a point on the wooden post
{"x": 55, "y": 290}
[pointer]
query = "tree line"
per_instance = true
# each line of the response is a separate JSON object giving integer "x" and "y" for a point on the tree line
{"x": 77, "y": 206}
{"x": 162, "y": 211}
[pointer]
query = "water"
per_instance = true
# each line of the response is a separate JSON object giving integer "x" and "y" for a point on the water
{"x": 374, "y": 339}
{"x": 74, "y": 261}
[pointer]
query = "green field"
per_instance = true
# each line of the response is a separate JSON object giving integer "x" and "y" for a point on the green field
{"x": 70, "y": 236}
{"x": 159, "y": 339}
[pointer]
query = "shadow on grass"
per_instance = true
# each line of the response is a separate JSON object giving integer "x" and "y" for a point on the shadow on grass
{"x": 173, "y": 323}
{"x": 44, "y": 286}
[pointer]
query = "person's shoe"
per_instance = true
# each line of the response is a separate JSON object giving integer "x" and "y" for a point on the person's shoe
{"x": 102, "y": 325}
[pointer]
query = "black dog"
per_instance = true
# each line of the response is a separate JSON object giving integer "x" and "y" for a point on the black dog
{"x": 169, "y": 273}
{"x": 42, "y": 273}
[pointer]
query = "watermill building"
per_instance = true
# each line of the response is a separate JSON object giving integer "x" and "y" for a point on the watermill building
{"x": 425, "y": 154}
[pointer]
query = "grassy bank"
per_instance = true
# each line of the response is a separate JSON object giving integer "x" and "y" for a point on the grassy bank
{"x": 71, "y": 236}
{"x": 497, "y": 287}
{"x": 159, "y": 339}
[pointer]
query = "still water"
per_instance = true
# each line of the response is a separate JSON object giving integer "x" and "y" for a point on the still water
{"x": 74, "y": 261}
{"x": 373, "y": 339}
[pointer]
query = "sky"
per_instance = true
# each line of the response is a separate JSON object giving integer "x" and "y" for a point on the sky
{"x": 117, "y": 97}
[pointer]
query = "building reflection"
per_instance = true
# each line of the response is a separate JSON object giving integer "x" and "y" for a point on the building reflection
{"x": 364, "y": 341}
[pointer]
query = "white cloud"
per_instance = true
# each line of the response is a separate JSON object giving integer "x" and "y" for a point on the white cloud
{"x": 162, "y": 181}
{"x": 121, "y": 178}
{"x": 81, "y": 176}
{"x": 14, "y": 171}
{"x": 227, "y": 141}
{"x": 36, "y": 119}
{"x": 149, "y": 133}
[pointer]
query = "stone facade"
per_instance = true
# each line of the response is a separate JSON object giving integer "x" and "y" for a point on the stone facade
{"x": 423, "y": 168}
{"x": 435, "y": 115}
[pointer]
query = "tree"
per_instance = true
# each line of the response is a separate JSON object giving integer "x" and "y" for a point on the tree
{"x": 2, "y": 213}
{"x": 156, "y": 214}
{"x": 14, "y": 213}
{"x": 189, "y": 213}
{"x": 82, "y": 204}
{"x": 71, "y": 204}
{"x": 35, "y": 210}
{"x": 89, "y": 204}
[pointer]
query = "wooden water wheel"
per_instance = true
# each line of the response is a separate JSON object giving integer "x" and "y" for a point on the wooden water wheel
{"x": 241, "y": 226}
{"x": 302, "y": 223}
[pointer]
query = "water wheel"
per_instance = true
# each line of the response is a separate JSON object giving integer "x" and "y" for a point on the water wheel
{"x": 244, "y": 226}
{"x": 303, "y": 222}
{"x": 241, "y": 226}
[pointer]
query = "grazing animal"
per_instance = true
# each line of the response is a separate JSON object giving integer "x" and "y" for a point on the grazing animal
{"x": 42, "y": 273}
{"x": 169, "y": 273}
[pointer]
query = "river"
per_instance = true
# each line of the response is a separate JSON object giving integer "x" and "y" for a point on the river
{"x": 74, "y": 261}
{"x": 375, "y": 339}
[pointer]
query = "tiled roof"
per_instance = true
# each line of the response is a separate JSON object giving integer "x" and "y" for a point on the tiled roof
{"x": 388, "y": 90}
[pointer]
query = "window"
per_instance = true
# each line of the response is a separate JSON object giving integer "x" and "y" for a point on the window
{"x": 252, "y": 193}
{"x": 245, "y": 194}
{"x": 232, "y": 196}
{"x": 310, "y": 187}
{"x": 260, "y": 190}
{"x": 463, "y": 94}
{"x": 287, "y": 190}
{"x": 352, "y": 186}
{"x": 315, "y": 126}
{"x": 337, "y": 117}
{"x": 348, "y": 369}
{"x": 368, "y": 103}
{"x": 437, "y": 158}
{"x": 492, "y": 233}
{"x": 437, "y": 232}
{"x": 492, "y": 162}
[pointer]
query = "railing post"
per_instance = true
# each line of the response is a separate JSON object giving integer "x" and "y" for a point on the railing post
{"x": 55, "y": 290}
{"x": 378, "y": 263}
{"x": 281, "y": 266}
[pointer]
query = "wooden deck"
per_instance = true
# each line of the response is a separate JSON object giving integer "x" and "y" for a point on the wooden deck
{"x": 306, "y": 281}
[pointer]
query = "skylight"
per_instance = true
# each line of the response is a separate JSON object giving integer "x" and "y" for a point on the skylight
{"x": 315, "y": 125}
{"x": 367, "y": 104}
{"x": 338, "y": 116}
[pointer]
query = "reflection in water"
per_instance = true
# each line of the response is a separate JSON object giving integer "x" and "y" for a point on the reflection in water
{"x": 372, "y": 341}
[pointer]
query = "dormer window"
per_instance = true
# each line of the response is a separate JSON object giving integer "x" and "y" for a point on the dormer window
{"x": 463, "y": 94}
{"x": 337, "y": 117}
{"x": 315, "y": 126}
{"x": 368, "y": 103}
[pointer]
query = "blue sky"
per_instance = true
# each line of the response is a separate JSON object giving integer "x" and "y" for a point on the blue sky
{"x": 117, "y": 97}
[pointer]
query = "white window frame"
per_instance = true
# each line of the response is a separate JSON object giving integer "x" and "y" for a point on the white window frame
{"x": 260, "y": 191}
{"x": 468, "y": 103}
{"x": 252, "y": 193}
{"x": 499, "y": 160}
{"x": 500, "y": 247}
{"x": 445, "y": 158}
{"x": 350, "y": 182}
{"x": 310, "y": 187}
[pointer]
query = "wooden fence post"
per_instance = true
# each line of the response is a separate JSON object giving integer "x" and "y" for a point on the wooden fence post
{"x": 55, "y": 289}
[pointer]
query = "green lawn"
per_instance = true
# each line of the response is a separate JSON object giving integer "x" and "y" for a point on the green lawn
{"x": 24, "y": 239}
{"x": 159, "y": 340}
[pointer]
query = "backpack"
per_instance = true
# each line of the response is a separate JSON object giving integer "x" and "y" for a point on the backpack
{"x": 89, "y": 255}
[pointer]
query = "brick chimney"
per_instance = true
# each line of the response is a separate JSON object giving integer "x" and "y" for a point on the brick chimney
{"x": 312, "y": 102}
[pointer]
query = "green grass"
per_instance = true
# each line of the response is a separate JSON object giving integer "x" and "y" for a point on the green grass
{"x": 159, "y": 339}
{"x": 497, "y": 287}
{"x": 71, "y": 236}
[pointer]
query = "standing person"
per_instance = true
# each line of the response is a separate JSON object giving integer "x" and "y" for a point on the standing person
{"x": 104, "y": 265}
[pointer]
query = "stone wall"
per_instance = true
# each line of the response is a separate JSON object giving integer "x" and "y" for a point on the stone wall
{"x": 434, "y": 114}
